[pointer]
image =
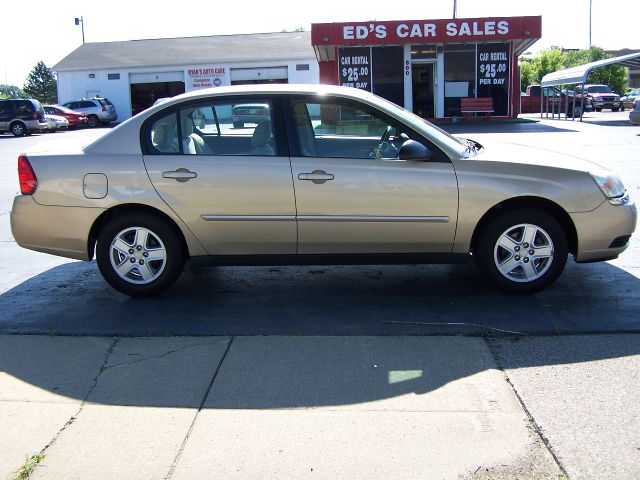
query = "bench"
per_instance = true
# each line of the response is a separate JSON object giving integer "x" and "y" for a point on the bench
{"x": 476, "y": 105}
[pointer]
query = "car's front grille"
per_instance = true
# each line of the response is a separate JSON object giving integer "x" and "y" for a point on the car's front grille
{"x": 620, "y": 241}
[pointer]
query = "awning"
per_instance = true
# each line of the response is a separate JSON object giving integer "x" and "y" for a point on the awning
{"x": 579, "y": 74}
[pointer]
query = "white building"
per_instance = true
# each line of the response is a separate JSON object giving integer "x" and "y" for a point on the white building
{"x": 133, "y": 74}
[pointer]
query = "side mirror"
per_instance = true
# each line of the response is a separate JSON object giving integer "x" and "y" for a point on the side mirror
{"x": 412, "y": 150}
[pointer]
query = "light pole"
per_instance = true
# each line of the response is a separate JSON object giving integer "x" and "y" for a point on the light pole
{"x": 80, "y": 21}
{"x": 590, "y": 3}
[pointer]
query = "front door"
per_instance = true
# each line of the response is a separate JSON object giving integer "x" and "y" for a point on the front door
{"x": 230, "y": 184}
{"x": 354, "y": 195}
{"x": 423, "y": 89}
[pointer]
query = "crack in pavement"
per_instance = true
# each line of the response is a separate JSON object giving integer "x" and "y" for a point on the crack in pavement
{"x": 153, "y": 357}
{"x": 195, "y": 418}
{"x": 73, "y": 418}
{"x": 532, "y": 421}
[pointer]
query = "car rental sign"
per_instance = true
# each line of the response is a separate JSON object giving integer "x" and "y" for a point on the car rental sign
{"x": 426, "y": 31}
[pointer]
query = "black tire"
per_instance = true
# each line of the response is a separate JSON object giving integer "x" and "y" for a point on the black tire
{"x": 238, "y": 124}
{"x": 18, "y": 129}
{"x": 94, "y": 121}
{"x": 549, "y": 236}
{"x": 162, "y": 273}
{"x": 615, "y": 109}
{"x": 598, "y": 109}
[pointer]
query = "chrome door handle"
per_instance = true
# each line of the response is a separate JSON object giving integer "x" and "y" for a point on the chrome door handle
{"x": 181, "y": 175}
{"x": 317, "y": 176}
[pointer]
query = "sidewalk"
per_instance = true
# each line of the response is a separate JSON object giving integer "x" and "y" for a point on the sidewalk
{"x": 317, "y": 407}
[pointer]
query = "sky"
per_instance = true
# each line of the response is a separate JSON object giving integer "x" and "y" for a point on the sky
{"x": 45, "y": 30}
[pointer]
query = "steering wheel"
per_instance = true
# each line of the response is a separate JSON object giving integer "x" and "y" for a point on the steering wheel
{"x": 384, "y": 145}
{"x": 385, "y": 136}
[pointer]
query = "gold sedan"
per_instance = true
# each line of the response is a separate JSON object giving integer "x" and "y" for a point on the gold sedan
{"x": 326, "y": 175}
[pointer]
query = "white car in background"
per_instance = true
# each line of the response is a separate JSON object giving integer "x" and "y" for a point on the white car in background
{"x": 56, "y": 122}
{"x": 634, "y": 115}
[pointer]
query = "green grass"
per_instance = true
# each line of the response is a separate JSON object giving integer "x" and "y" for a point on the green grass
{"x": 28, "y": 467}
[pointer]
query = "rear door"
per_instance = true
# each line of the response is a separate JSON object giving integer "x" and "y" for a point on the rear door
{"x": 231, "y": 186}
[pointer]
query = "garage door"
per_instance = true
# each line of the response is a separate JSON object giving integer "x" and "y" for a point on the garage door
{"x": 159, "y": 77}
{"x": 268, "y": 73}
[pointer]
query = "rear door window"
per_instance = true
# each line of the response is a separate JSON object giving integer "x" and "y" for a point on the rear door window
{"x": 217, "y": 127}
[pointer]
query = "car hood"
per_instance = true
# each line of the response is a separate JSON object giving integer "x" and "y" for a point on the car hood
{"x": 514, "y": 153}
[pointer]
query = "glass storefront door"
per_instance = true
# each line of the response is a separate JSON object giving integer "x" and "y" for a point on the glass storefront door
{"x": 424, "y": 89}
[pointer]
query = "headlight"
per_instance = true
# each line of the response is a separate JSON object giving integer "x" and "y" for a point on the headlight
{"x": 611, "y": 186}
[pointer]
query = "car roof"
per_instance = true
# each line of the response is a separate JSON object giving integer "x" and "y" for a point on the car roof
{"x": 270, "y": 88}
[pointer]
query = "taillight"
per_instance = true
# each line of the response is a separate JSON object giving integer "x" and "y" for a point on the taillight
{"x": 34, "y": 116}
{"x": 104, "y": 108}
{"x": 28, "y": 180}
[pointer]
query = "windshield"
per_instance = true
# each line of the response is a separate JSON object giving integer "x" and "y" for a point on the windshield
{"x": 459, "y": 145}
{"x": 599, "y": 89}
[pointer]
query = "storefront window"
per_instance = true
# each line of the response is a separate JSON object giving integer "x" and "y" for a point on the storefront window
{"x": 388, "y": 81}
{"x": 459, "y": 76}
{"x": 493, "y": 75}
{"x": 423, "y": 52}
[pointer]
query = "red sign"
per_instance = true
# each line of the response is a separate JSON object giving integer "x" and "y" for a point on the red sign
{"x": 426, "y": 31}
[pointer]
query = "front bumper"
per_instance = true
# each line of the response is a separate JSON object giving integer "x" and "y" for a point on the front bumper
{"x": 62, "y": 231}
{"x": 597, "y": 230}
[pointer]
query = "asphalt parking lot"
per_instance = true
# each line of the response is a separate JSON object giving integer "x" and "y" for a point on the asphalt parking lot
{"x": 325, "y": 372}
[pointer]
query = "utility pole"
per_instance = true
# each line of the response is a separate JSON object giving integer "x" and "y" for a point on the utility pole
{"x": 455, "y": 8}
{"x": 590, "y": 4}
{"x": 80, "y": 21}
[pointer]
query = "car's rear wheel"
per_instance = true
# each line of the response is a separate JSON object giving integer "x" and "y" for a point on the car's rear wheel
{"x": 94, "y": 121}
{"x": 238, "y": 124}
{"x": 139, "y": 254}
{"x": 615, "y": 109}
{"x": 522, "y": 251}
{"x": 18, "y": 129}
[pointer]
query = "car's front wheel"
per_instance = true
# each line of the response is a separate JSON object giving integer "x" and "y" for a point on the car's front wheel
{"x": 522, "y": 251}
{"x": 140, "y": 255}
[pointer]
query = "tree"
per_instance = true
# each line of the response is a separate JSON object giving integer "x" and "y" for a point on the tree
{"x": 41, "y": 84}
{"x": 532, "y": 70}
{"x": 613, "y": 75}
{"x": 10, "y": 91}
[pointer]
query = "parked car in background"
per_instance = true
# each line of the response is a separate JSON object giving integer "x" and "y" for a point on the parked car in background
{"x": 98, "y": 110}
{"x": 249, "y": 113}
{"x": 75, "y": 119}
{"x": 22, "y": 116}
{"x": 56, "y": 122}
{"x": 634, "y": 115}
{"x": 602, "y": 97}
{"x": 554, "y": 99}
{"x": 332, "y": 175}
{"x": 628, "y": 99}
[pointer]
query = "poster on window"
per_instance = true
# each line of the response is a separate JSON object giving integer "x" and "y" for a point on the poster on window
{"x": 207, "y": 76}
{"x": 354, "y": 66}
{"x": 493, "y": 75}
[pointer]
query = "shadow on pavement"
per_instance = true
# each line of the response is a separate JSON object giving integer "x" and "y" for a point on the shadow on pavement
{"x": 459, "y": 128}
{"x": 73, "y": 299}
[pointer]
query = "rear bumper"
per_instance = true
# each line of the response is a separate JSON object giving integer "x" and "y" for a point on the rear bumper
{"x": 599, "y": 229}
{"x": 62, "y": 231}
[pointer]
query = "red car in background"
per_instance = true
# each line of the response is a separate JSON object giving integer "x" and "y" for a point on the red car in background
{"x": 75, "y": 118}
